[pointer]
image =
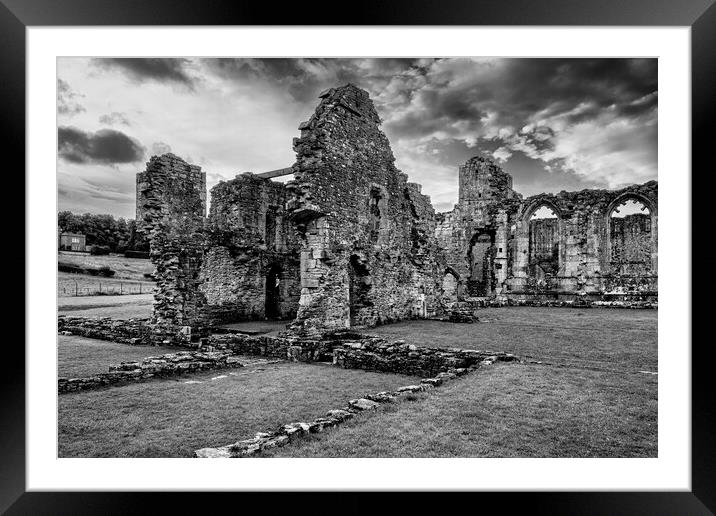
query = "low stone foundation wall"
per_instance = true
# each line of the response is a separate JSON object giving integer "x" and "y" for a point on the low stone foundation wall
{"x": 292, "y": 348}
{"x": 641, "y": 300}
{"x": 171, "y": 364}
{"x": 292, "y": 431}
{"x": 126, "y": 331}
{"x": 376, "y": 354}
{"x": 352, "y": 350}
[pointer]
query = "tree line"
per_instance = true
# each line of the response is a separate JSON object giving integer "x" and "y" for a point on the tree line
{"x": 104, "y": 231}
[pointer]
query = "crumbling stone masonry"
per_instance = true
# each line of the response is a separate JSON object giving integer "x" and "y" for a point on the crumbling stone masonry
{"x": 171, "y": 204}
{"x": 494, "y": 247}
{"x": 369, "y": 254}
{"x": 251, "y": 267}
{"x": 162, "y": 366}
{"x": 349, "y": 242}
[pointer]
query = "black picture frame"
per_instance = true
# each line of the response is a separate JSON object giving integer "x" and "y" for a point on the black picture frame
{"x": 700, "y": 15}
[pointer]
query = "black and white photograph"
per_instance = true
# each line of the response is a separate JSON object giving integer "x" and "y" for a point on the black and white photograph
{"x": 357, "y": 257}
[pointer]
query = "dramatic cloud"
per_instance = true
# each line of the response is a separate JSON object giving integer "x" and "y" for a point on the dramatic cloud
{"x": 553, "y": 124}
{"x": 66, "y": 103}
{"x": 106, "y": 146}
{"x": 114, "y": 118}
{"x": 595, "y": 118}
{"x": 164, "y": 70}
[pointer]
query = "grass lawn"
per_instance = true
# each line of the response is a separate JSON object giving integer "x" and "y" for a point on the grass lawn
{"x": 169, "y": 418}
{"x": 602, "y": 338}
{"x": 506, "y": 410}
{"x": 70, "y": 284}
{"x": 79, "y": 356}
{"x": 117, "y": 307}
{"x": 125, "y": 268}
{"x": 587, "y": 399}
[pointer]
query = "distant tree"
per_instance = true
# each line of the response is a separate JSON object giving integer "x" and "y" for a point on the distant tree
{"x": 118, "y": 235}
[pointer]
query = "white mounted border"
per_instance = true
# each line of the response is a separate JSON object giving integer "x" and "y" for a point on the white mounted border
{"x": 670, "y": 471}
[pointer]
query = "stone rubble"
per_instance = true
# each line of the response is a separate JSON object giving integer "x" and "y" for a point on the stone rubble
{"x": 171, "y": 364}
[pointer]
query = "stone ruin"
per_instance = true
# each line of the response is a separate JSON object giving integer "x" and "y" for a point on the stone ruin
{"x": 351, "y": 243}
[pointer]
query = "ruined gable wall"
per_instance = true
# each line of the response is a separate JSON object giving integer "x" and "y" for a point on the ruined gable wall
{"x": 351, "y": 201}
{"x": 171, "y": 201}
{"x": 248, "y": 234}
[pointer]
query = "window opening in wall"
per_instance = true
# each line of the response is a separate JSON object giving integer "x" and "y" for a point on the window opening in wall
{"x": 481, "y": 258}
{"x": 271, "y": 228}
{"x": 449, "y": 285}
{"x": 630, "y": 238}
{"x": 375, "y": 205}
{"x": 543, "y": 243}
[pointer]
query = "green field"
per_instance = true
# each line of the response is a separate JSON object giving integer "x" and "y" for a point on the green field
{"x": 506, "y": 410}
{"x": 125, "y": 268}
{"x": 117, "y": 307}
{"x": 79, "y": 356}
{"x": 128, "y": 277}
{"x": 593, "y": 395}
{"x": 170, "y": 418}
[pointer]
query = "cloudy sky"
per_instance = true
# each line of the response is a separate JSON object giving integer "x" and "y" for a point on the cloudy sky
{"x": 554, "y": 124}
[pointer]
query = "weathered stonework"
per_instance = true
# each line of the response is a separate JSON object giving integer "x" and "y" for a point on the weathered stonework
{"x": 171, "y": 364}
{"x": 127, "y": 331}
{"x": 494, "y": 249}
{"x": 251, "y": 266}
{"x": 369, "y": 255}
{"x": 171, "y": 207}
{"x": 351, "y": 243}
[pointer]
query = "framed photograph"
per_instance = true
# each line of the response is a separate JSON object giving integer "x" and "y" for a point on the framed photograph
{"x": 413, "y": 252}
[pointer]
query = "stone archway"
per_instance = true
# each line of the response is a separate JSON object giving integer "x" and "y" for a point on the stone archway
{"x": 481, "y": 258}
{"x": 631, "y": 240}
{"x": 450, "y": 285}
{"x": 544, "y": 230}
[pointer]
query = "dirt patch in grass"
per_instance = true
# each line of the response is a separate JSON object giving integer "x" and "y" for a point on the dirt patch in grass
{"x": 79, "y": 356}
{"x": 600, "y": 338}
{"x": 170, "y": 418}
{"x": 511, "y": 410}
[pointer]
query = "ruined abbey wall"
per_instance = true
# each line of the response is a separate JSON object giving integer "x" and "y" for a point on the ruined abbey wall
{"x": 368, "y": 254}
{"x": 251, "y": 264}
{"x": 495, "y": 248}
{"x": 350, "y": 242}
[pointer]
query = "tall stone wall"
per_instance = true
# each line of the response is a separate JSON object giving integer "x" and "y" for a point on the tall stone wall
{"x": 171, "y": 206}
{"x": 251, "y": 266}
{"x": 582, "y": 251}
{"x": 476, "y": 233}
{"x": 368, "y": 253}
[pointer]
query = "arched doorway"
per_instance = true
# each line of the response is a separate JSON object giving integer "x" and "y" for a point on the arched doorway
{"x": 450, "y": 286}
{"x": 273, "y": 293}
{"x": 481, "y": 256}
